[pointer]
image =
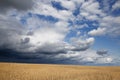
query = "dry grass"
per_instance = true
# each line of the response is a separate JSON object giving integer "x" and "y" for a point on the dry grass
{"x": 16, "y": 71}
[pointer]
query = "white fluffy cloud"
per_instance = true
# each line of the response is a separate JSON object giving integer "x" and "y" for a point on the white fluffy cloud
{"x": 108, "y": 24}
{"x": 70, "y": 4}
{"x": 97, "y": 32}
{"x": 111, "y": 24}
{"x": 48, "y": 10}
{"x": 90, "y": 9}
{"x": 116, "y": 5}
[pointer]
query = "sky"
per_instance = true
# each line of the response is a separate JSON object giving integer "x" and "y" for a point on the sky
{"x": 82, "y": 32}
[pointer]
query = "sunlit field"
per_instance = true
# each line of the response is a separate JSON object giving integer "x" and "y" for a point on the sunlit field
{"x": 18, "y": 71}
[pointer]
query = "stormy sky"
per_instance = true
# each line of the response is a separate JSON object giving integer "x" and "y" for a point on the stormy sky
{"x": 60, "y": 31}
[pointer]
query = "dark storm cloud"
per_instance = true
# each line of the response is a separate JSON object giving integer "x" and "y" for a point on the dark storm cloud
{"x": 61, "y": 47}
{"x": 102, "y": 52}
{"x": 52, "y": 48}
{"x": 17, "y": 4}
{"x": 25, "y": 40}
{"x": 10, "y": 33}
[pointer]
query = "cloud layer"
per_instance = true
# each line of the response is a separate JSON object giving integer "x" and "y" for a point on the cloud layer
{"x": 16, "y": 4}
{"x": 57, "y": 30}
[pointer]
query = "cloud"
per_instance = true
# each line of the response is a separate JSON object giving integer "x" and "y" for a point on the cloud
{"x": 102, "y": 52}
{"x": 97, "y": 32}
{"x": 64, "y": 47}
{"x": 90, "y": 10}
{"x": 81, "y": 44}
{"x": 105, "y": 60}
{"x": 52, "y": 48}
{"x": 48, "y": 10}
{"x": 108, "y": 25}
{"x": 86, "y": 57}
{"x": 11, "y": 32}
{"x": 25, "y": 40}
{"x": 35, "y": 35}
{"x": 16, "y": 4}
{"x": 106, "y": 6}
{"x": 111, "y": 24}
{"x": 78, "y": 56}
{"x": 91, "y": 7}
{"x": 70, "y": 4}
{"x": 40, "y": 36}
{"x": 116, "y": 5}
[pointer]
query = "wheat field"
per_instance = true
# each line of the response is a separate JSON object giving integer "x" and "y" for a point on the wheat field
{"x": 19, "y": 71}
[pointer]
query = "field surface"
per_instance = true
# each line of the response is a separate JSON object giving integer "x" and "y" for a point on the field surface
{"x": 18, "y": 71}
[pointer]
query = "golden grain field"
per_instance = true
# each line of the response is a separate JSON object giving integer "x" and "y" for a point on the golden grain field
{"x": 18, "y": 71}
